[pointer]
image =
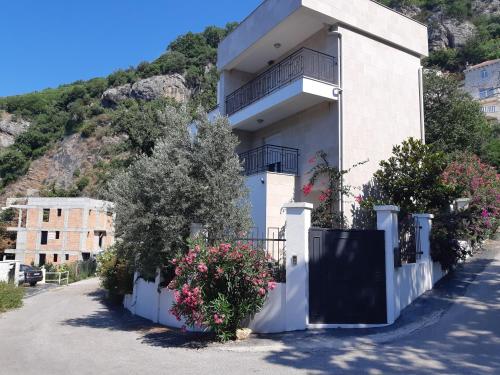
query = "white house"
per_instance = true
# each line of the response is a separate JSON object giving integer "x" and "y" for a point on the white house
{"x": 341, "y": 76}
{"x": 482, "y": 81}
{"x": 301, "y": 76}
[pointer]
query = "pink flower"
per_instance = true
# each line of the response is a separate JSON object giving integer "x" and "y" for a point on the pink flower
{"x": 325, "y": 195}
{"x": 178, "y": 271}
{"x": 307, "y": 189}
{"x": 485, "y": 213}
{"x": 220, "y": 271}
{"x": 262, "y": 291}
{"x": 271, "y": 285}
{"x": 358, "y": 198}
{"x": 218, "y": 319}
{"x": 202, "y": 267}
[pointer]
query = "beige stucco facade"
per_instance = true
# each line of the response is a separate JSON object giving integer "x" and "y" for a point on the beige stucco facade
{"x": 59, "y": 230}
{"x": 371, "y": 102}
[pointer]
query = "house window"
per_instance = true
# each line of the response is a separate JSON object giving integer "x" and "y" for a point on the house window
{"x": 66, "y": 256}
{"x": 489, "y": 109}
{"x": 43, "y": 238}
{"x": 55, "y": 258}
{"x": 484, "y": 74}
{"x": 57, "y": 234}
{"x": 59, "y": 211}
{"x": 46, "y": 215}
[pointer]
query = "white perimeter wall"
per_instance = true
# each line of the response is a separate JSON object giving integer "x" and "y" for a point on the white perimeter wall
{"x": 413, "y": 280}
{"x": 148, "y": 303}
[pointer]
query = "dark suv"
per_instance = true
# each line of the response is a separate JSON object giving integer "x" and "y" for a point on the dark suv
{"x": 29, "y": 274}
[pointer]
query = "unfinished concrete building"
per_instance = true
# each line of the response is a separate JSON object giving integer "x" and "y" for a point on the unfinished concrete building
{"x": 59, "y": 230}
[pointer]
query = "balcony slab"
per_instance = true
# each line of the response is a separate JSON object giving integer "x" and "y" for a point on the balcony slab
{"x": 296, "y": 97}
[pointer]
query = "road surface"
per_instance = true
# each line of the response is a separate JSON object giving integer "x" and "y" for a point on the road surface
{"x": 70, "y": 330}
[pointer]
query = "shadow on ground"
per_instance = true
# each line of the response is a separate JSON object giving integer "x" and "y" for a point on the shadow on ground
{"x": 115, "y": 317}
{"x": 465, "y": 341}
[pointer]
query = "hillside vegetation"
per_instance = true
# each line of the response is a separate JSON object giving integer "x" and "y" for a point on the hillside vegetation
{"x": 477, "y": 22}
{"x": 77, "y": 108}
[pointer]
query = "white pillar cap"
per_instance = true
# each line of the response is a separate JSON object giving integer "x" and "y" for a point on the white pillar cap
{"x": 386, "y": 208}
{"x": 307, "y": 206}
{"x": 423, "y": 216}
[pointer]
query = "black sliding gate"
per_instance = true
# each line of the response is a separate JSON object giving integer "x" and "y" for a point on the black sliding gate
{"x": 347, "y": 277}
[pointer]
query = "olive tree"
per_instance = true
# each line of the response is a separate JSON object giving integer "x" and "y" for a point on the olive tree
{"x": 187, "y": 178}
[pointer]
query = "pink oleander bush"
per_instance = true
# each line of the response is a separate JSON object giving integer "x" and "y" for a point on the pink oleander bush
{"x": 480, "y": 182}
{"x": 218, "y": 287}
{"x": 468, "y": 177}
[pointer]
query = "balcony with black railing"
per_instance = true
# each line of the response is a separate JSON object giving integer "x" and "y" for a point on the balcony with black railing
{"x": 304, "y": 63}
{"x": 270, "y": 158}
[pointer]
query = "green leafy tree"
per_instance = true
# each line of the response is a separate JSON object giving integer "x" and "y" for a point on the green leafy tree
{"x": 411, "y": 179}
{"x": 12, "y": 164}
{"x": 453, "y": 120}
{"x": 143, "y": 123}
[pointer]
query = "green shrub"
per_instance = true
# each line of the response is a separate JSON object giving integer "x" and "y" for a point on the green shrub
{"x": 116, "y": 277}
{"x": 473, "y": 179}
{"x": 11, "y": 297}
{"x": 411, "y": 179}
{"x": 82, "y": 183}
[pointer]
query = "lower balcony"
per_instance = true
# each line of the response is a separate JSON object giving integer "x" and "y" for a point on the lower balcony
{"x": 270, "y": 158}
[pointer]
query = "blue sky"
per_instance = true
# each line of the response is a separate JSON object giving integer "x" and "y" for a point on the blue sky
{"x": 45, "y": 43}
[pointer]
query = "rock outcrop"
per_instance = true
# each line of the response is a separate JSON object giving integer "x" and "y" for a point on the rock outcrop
{"x": 448, "y": 32}
{"x": 10, "y": 128}
{"x": 486, "y": 7}
{"x": 163, "y": 86}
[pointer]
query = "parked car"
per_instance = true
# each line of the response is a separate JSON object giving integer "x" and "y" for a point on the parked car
{"x": 29, "y": 274}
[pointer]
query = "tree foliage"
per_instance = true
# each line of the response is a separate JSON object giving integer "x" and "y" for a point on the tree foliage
{"x": 185, "y": 180}
{"x": 453, "y": 120}
{"x": 411, "y": 179}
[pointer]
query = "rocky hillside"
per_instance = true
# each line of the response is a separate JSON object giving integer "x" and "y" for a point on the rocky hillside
{"x": 461, "y": 32}
{"x": 71, "y": 139}
{"x": 10, "y": 128}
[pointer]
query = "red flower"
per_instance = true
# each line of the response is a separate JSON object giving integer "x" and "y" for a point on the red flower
{"x": 307, "y": 189}
{"x": 358, "y": 198}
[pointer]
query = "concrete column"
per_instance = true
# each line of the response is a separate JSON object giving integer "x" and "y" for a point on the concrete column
{"x": 44, "y": 271}
{"x": 17, "y": 268}
{"x": 424, "y": 221}
{"x": 387, "y": 220}
{"x": 298, "y": 222}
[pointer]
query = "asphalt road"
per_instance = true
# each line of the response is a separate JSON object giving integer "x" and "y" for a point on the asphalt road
{"x": 71, "y": 331}
{"x": 31, "y": 291}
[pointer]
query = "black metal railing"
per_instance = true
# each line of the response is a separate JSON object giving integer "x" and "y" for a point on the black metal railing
{"x": 303, "y": 63}
{"x": 273, "y": 244}
{"x": 410, "y": 249}
{"x": 270, "y": 158}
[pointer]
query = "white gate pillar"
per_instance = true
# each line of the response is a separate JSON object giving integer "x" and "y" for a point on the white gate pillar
{"x": 298, "y": 222}
{"x": 387, "y": 220}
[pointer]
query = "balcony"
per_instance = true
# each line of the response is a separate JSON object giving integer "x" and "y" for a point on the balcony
{"x": 270, "y": 158}
{"x": 301, "y": 80}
